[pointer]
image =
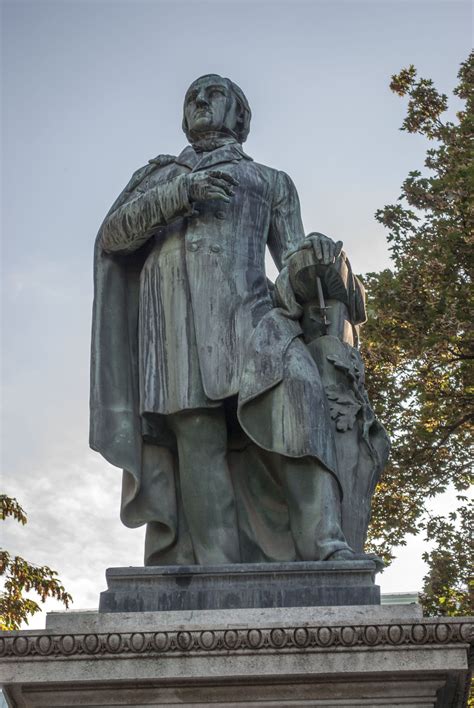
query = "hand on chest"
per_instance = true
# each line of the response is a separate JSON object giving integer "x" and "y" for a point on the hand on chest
{"x": 247, "y": 211}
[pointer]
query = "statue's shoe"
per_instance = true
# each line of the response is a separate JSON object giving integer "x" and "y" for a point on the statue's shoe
{"x": 346, "y": 554}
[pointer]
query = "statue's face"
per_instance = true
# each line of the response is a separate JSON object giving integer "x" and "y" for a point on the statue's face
{"x": 209, "y": 106}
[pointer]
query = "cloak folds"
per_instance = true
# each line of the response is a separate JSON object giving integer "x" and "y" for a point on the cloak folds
{"x": 281, "y": 404}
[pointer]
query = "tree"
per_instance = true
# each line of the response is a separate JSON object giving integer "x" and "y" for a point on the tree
{"x": 22, "y": 576}
{"x": 418, "y": 342}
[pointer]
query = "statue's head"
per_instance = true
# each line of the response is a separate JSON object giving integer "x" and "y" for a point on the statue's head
{"x": 213, "y": 105}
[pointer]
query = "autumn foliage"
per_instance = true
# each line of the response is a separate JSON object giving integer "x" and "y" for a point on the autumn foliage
{"x": 21, "y": 577}
{"x": 418, "y": 343}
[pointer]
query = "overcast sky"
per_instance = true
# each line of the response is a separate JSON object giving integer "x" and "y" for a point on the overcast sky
{"x": 91, "y": 90}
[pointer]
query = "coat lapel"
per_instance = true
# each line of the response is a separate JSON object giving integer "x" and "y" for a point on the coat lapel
{"x": 188, "y": 157}
{"x": 226, "y": 153}
{"x": 195, "y": 161}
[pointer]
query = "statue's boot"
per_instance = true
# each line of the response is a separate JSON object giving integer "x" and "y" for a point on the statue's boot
{"x": 350, "y": 555}
{"x": 314, "y": 506}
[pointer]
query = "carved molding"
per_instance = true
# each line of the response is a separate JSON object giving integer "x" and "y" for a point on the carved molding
{"x": 15, "y": 645}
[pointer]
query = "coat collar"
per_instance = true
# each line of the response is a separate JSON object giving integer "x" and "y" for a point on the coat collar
{"x": 198, "y": 161}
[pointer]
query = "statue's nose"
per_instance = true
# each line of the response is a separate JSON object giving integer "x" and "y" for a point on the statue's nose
{"x": 201, "y": 99}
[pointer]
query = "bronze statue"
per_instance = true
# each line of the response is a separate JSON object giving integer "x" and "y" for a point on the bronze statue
{"x": 235, "y": 407}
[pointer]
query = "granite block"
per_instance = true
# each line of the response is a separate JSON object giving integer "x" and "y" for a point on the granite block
{"x": 224, "y": 587}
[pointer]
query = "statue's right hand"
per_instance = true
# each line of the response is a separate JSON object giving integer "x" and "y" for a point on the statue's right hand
{"x": 212, "y": 184}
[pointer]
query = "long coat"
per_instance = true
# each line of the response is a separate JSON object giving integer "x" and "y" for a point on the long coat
{"x": 179, "y": 285}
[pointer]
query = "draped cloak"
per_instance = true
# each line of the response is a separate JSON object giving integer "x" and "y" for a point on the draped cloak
{"x": 281, "y": 405}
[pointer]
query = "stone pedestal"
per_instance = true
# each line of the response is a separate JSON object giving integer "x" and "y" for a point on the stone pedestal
{"x": 223, "y": 587}
{"x": 296, "y": 634}
{"x": 305, "y": 656}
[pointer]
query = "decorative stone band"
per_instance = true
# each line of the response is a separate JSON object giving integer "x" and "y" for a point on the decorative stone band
{"x": 287, "y": 639}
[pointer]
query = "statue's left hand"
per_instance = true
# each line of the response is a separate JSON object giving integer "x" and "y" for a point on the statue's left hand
{"x": 325, "y": 249}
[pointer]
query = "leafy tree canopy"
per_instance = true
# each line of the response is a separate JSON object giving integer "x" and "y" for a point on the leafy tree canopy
{"x": 418, "y": 342}
{"x": 22, "y": 577}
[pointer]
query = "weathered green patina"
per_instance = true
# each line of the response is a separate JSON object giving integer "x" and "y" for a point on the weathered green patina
{"x": 235, "y": 407}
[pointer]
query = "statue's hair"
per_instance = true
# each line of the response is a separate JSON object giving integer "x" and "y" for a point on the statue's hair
{"x": 243, "y": 127}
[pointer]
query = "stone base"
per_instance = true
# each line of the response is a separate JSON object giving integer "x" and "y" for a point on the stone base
{"x": 223, "y": 587}
{"x": 307, "y": 656}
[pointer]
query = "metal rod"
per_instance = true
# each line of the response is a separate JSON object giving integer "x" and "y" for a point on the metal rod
{"x": 322, "y": 305}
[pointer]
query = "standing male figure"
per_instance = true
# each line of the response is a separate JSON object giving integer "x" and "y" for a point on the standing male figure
{"x": 195, "y": 362}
